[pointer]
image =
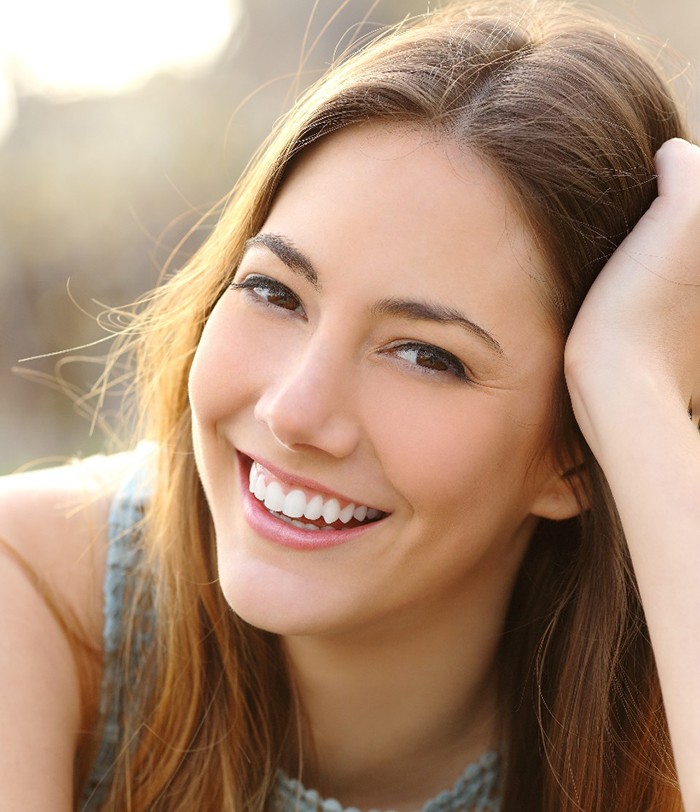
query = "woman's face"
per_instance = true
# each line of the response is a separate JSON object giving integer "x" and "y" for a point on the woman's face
{"x": 383, "y": 353}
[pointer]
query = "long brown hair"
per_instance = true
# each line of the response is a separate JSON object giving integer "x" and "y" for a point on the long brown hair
{"x": 569, "y": 115}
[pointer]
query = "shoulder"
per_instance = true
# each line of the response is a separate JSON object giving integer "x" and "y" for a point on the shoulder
{"x": 53, "y": 542}
{"x": 56, "y": 521}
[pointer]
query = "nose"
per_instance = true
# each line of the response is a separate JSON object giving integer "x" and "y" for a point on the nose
{"x": 308, "y": 403}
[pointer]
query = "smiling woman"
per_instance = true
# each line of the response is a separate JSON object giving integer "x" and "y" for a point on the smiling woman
{"x": 375, "y": 547}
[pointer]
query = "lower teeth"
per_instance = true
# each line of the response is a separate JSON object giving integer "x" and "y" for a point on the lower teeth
{"x": 297, "y": 523}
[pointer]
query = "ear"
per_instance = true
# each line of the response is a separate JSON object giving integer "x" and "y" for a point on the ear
{"x": 562, "y": 495}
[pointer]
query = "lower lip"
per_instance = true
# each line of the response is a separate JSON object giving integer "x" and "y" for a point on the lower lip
{"x": 287, "y": 535}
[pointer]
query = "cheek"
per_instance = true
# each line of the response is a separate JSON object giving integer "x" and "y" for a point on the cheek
{"x": 468, "y": 456}
{"x": 220, "y": 377}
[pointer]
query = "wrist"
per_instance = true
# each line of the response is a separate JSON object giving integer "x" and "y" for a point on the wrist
{"x": 620, "y": 400}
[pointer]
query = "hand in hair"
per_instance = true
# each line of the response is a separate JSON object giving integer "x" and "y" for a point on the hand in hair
{"x": 641, "y": 318}
{"x": 633, "y": 370}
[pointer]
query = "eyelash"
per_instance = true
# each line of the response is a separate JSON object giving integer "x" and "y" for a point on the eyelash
{"x": 256, "y": 283}
{"x": 450, "y": 363}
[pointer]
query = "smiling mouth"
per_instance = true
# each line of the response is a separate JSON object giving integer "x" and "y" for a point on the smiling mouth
{"x": 306, "y": 509}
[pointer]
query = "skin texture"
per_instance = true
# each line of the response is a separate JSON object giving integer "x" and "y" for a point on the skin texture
{"x": 325, "y": 387}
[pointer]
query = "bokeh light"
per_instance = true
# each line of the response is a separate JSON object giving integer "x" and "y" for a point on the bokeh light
{"x": 75, "y": 48}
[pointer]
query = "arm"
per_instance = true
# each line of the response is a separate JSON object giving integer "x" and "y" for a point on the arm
{"x": 39, "y": 700}
{"x": 55, "y": 522}
{"x": 633, "y": 368}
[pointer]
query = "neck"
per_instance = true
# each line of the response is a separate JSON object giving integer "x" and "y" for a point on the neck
{"x": 396, "y": 714}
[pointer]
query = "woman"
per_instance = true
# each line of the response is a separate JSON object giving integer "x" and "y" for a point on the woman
{"x": 373, "y": 546}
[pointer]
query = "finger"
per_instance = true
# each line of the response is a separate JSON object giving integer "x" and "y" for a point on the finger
{"x": 665, "y": 241}
{"x": 678, "y": 168}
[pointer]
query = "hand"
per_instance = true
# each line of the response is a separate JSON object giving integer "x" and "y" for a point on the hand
{"x": 633, "y": 366}
{"x": 638, "y": 330}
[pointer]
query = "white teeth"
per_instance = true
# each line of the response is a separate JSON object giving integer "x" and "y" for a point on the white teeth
{"x": 360, "y": 513}
{"x": 294, "y": 504}
{"x": 304, "y": 525}
{"x": 274, "y": 496}
{"x": 346, "y": 513}
{"x": 260, "y": 488}
{"x": 314, "y": 507}
{"x": 331, "y": 511}
{"x": 296, "y": 522}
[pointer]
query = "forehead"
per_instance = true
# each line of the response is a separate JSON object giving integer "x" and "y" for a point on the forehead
{"x": 398, "y": 206}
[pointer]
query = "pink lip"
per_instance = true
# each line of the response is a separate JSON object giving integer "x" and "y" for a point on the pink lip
{"x": 287, "y": 535}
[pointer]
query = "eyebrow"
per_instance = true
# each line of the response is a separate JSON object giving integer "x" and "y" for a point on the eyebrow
{"x": 285, "y": 250}
{"x": 416, "y": 310}
{"x": 431, "y": 311}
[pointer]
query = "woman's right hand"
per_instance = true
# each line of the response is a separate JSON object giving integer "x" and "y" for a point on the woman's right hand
{"x": 633, "y": 368}
{"x": 637, "y": 333}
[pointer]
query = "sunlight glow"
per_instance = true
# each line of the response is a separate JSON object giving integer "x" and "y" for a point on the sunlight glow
{"x": 8, "y": 106}
{"x": 88, "y": 47}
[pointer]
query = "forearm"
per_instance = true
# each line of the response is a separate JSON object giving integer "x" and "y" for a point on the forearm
{"x": 638, "y": 428}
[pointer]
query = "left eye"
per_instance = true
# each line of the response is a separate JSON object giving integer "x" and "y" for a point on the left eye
{"x": 270, "y": 292}
{"x": 431, "y": 359}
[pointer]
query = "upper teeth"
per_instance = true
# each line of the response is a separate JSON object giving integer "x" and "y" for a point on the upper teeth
{"x": 296, "y": 503}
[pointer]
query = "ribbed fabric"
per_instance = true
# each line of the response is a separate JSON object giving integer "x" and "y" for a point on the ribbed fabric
{"x": 123, "y": 561}
{"x": 475, "y": 791}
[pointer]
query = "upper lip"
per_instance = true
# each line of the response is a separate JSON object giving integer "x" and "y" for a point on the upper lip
{"x": 303, "y": 482}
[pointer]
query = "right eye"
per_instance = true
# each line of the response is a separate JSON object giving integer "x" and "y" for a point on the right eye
{"x": 270, "y": 292}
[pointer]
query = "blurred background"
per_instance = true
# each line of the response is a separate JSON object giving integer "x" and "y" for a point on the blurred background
{"x": 121, "y": 123}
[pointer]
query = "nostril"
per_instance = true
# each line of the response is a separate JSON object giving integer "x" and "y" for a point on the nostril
{"x": 300, "y": 416}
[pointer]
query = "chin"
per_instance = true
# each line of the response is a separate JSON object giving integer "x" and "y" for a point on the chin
{"x": 275, "y": 600}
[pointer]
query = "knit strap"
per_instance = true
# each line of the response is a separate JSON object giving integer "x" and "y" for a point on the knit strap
{"x": 124, "y": 556}
{"x": 474, "y": 791}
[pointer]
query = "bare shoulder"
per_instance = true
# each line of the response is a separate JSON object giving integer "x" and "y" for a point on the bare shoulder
{"x": 56, "y": 520}
{"x": 54, "y": 537}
